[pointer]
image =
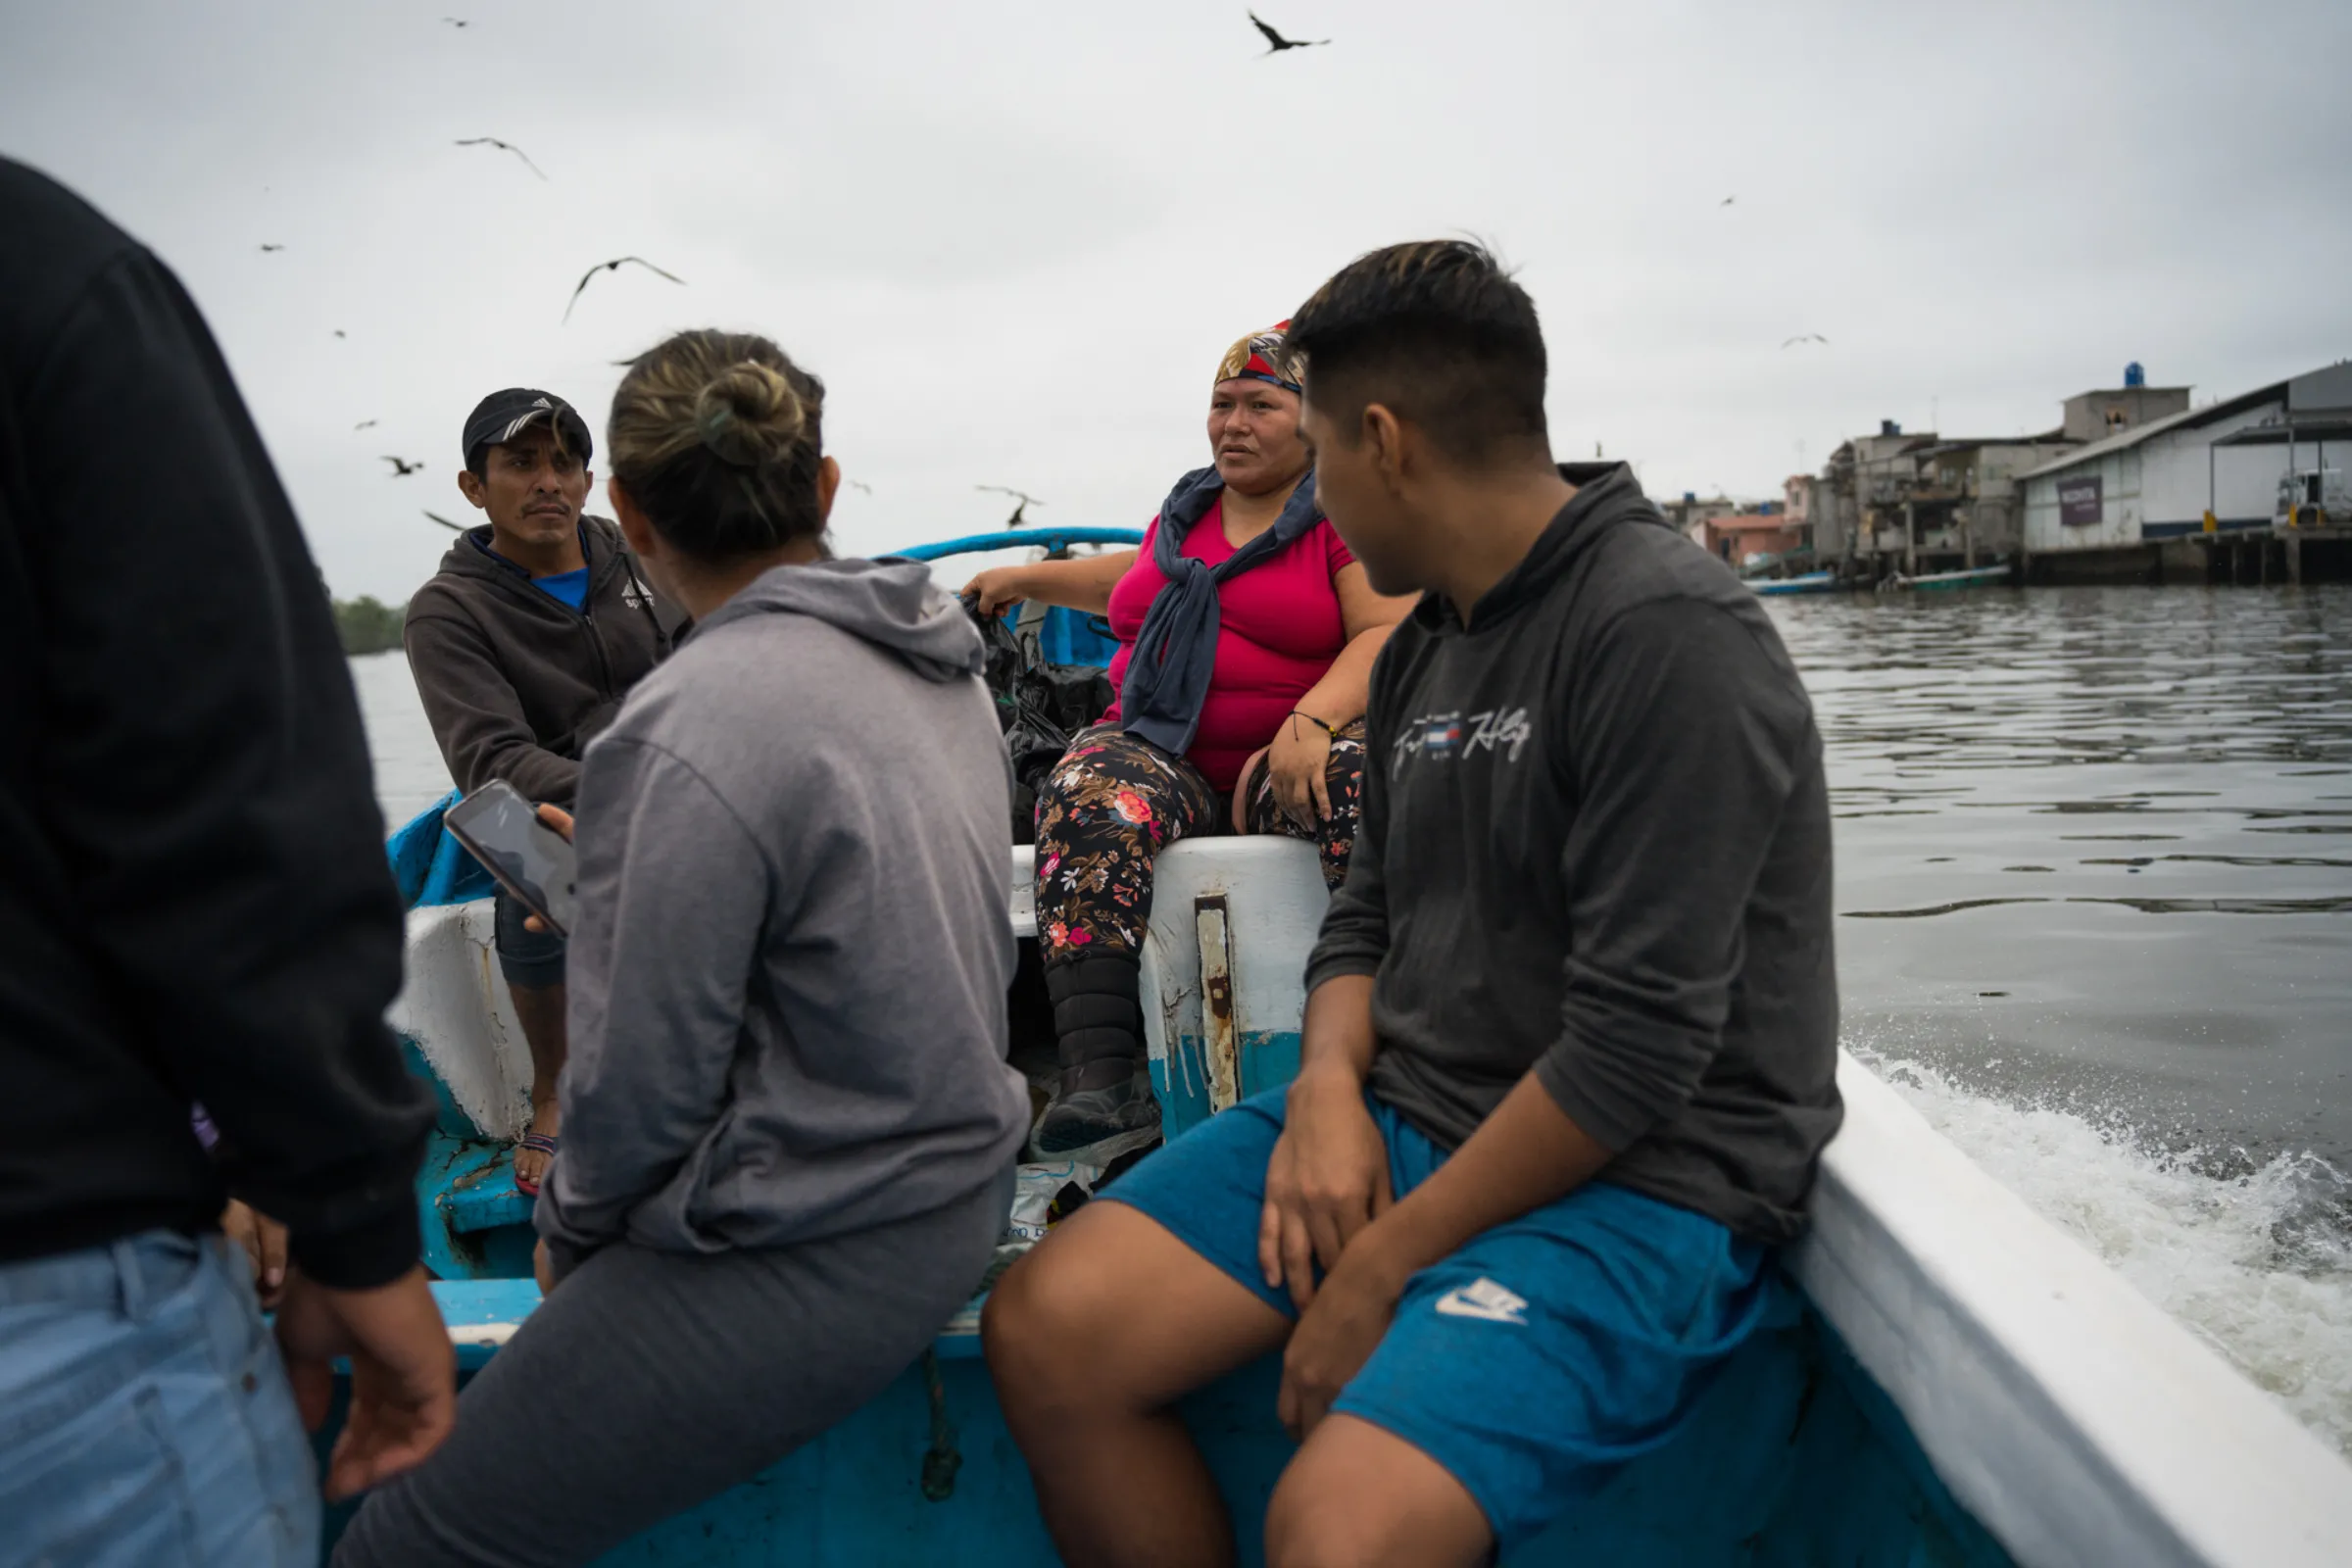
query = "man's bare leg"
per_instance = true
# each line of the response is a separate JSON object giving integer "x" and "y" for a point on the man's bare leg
{"x": 540, "y": 1011}
{"x": 1091, "y": 1339}
{"x": 1358, "y": 1496}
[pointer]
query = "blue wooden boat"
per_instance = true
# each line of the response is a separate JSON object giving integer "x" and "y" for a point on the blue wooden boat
{"x": 1811, "y": 582}
{"x": 1962, "y": 1386}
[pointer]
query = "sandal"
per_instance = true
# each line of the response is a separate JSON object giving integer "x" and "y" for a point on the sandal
{"x": 545, "y": 1144}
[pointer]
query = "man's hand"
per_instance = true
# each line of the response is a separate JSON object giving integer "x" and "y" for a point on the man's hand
{"x": 404, "y": 1374}
{"x": 1328, "y": 1179}
{"x": 560, "y": 819}
{"x": 994, "y": 589}
{"x": 264, "y": 1242}
{"x": 1299, "y": 755}
{"x": 1335, "y": 1337}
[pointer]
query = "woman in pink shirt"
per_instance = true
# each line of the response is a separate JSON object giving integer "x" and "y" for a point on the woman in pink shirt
{"x": 1247, "y": 634}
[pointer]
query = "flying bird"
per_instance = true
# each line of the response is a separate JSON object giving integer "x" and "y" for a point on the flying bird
{"x": 1025, "y": 499}
{"x": 503, "y": 147}
{"x": 1727, "y": 201}
{"x": 861, "y": 484}
{"x": 1279, "y": 43}
{"x": 606, "y": 266}
{"x": 453, "y": 528}
{"x": 455, "y": 22}
{"x": 338, "y": 332}
{"x": 1809, "y": 337}
{"x": 365, "y": 425}
{"x": 272, "y": 247}
{"x": 401, "y": 467}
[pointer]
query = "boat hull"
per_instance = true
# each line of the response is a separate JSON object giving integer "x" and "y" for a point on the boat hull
{"x": 1956, "y": 1383}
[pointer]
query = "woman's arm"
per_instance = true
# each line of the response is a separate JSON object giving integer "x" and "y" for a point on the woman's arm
{"x": 1082, "y": 583}
{"x": 1300, "y": 751}
{"x": 660, "y": 977}
{"x": 1368, "y": 618}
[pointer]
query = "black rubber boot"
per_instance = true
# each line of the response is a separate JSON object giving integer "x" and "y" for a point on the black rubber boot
{"x": 1104, "y": 1107}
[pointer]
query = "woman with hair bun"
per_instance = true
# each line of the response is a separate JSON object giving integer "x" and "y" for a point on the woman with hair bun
{"x": 788, "y": 1125}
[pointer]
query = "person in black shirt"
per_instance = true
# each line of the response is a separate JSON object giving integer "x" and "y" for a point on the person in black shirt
{"x": 1568, "y": 1059}
{"x": 195, "y": 906}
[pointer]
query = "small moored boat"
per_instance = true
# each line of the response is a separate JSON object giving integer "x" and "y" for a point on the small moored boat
{"x": 1971, "y": 577}
{"x": 1811, "y": 582}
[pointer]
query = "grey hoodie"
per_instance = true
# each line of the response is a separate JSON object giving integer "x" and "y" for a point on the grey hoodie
{"x": 788, "y": 978}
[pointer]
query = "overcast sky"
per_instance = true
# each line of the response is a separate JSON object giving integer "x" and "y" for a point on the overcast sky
{"x": 1015, "y": 238}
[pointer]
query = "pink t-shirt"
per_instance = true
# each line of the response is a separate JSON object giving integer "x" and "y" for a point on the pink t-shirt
{"x": 1279, "y": 627}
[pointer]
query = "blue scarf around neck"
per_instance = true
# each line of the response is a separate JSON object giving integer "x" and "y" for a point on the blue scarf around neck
{"x": 1168, "y": 669}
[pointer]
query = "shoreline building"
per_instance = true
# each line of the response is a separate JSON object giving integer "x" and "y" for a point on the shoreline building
{"x": 2241, "y": 489}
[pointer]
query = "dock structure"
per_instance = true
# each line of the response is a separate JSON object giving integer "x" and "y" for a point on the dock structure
{"x": 2242, "y": 490}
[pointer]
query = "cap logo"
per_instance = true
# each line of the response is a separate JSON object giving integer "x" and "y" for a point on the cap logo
{"x": 515, "y": 427}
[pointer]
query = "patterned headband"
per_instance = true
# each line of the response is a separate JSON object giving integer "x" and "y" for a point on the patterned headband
{"x": 1262, "y": 357}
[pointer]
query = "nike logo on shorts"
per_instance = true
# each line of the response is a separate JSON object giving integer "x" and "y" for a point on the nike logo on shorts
{"x": 1485, "y": 1300}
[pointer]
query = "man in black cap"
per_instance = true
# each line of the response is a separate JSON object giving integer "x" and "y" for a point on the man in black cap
{"x": 523, "y": 645}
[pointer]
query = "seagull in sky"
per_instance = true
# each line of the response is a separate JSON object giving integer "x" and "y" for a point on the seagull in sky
{"x": 363, "y": 424}
{"x": 1808, "y": 337}
{"x": 401, "y": 467}
{"x": 861, "y": 484}
{"x": 503, "y": 147}
{"x": 1279, "y": 42}
{"x": 338, "y": 332}
{"x": 268, "y": 248}
{"x": 606, "y": 266}
{"x": 1025, "y": 499}
{"x": 453, "y": 528}
{"x": 455, "y": 21}
{"x": 1727, "y": 201}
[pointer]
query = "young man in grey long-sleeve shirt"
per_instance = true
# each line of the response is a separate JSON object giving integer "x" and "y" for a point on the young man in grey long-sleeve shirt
{"x": 1568, "y": 1062}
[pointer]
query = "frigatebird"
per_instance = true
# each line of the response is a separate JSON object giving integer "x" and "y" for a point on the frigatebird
{"x": 606, "y": 266}
{"x": 401, "y": 467}
{"x": 1025, "y": 499}
{"x": 1279, "y": 43}
{"x": 503, "y": 147}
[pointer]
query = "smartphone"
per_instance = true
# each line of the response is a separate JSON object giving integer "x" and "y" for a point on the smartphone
{"x": 530, "y": 860}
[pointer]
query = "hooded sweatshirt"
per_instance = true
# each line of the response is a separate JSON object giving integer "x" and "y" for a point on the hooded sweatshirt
{"x": 194, "y": 904}
{"x": 516, "y": 682}
{"x": 788, "y": 977}
{"x": 1595, "y": 846}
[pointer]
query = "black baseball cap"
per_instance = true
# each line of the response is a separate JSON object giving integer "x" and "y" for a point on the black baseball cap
{"x": 504, "y": 415}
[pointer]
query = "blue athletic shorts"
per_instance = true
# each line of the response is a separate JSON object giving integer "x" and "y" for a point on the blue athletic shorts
{"x": 1532, "y": 1363}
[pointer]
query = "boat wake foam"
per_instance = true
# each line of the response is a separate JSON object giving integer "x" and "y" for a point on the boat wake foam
{"x": 2257, "y": 1263}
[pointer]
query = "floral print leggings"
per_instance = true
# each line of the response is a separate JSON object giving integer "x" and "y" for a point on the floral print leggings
{"x": 1115, "y": 800}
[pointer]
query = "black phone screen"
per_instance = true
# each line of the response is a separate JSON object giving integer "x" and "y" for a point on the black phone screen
{"x": 530, "y": 860}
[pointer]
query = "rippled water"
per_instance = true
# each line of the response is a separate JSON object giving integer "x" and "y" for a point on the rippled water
{"x": 2095, "y": 892}
{"x": 2095, "y": 886}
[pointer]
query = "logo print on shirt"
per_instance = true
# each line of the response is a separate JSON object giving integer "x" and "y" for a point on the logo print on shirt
{"x": 1487, "y": 1300}
{"x": 1441, "y": 737}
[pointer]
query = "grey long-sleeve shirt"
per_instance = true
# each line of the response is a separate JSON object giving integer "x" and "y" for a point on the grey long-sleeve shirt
{"x": 1595, "y": 846}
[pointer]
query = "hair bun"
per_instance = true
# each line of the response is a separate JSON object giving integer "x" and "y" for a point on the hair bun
{"x": 750, "y": 415}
